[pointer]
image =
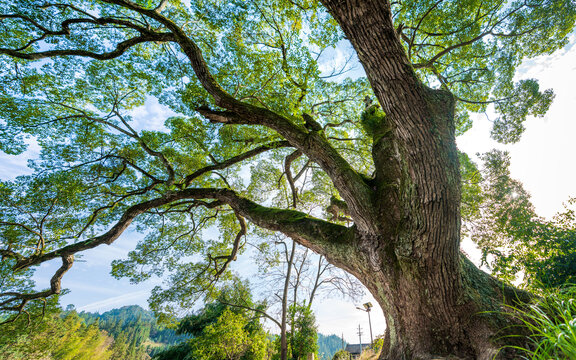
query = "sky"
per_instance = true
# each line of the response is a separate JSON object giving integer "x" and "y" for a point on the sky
{"x": 543, "y": 161}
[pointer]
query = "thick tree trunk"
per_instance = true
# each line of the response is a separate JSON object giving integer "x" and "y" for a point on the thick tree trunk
{"x": 433, "y": 312}
{"x": 433, "y": 299}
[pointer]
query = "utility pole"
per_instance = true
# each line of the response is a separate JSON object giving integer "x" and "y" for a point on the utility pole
{"x": 342, "y": 341}
{"x": 360, "y": 337}
{"x": 370, "y": 324}
{"x": 367, "y": 308}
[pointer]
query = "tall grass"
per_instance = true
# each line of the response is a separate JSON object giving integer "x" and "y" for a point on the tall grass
{"x": 368, "y": 354}
{"x": 552, "y": 324}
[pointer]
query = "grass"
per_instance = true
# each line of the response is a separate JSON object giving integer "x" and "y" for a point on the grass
{"x": 551, "y": 322}
{"x": 368, "y": 354}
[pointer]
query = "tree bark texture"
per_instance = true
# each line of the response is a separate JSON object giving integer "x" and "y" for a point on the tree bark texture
{"x": 431, "y": 297}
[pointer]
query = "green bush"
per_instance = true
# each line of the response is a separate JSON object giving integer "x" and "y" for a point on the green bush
{"x": 552, "y": 324}
{"x": 341, "y": 355}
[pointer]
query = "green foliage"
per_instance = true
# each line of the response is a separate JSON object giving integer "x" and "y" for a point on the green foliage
{"x": 526, "y": 99}
{"x": 552, "y": 325}
{"x": 472, "y": 195}
{"x": 231, "y": 336}
{"x": 473, "y": 48}
{"x": 230, "y": 339}
{"x": 372, "y": 120}
{"x": 341, "y": 355}
{"x": 221, "y": 330}
{"x": 303, "y": 336}
{"x": 62, "y": 336}
{"x": 502, "y": 221}
{"x": 177, "y": 352}
{"x": 378, "y": 344}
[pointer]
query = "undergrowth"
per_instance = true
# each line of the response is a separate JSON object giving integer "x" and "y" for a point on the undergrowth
{"x": 551, "y": 322}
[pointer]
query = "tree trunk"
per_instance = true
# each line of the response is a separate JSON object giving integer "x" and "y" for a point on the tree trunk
{"x": 283, "y": 332}
{"x": 432, "y": 298}
{"x": 404, "y": 245}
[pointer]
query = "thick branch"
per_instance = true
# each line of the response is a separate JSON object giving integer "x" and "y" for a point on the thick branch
{"x": 235, "y": 160}
{"x": 319, "y": 235}
{"x": 23, "y": 298}
{"x": 316, "y": 147}
{"x": 121, "y": 48}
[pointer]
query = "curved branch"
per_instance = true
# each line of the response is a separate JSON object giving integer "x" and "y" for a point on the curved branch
{"x": 316, "y": 234}
{"x": 121, "y": 48}
{"x": 234, "y": 160}
{"x": 287, "y": 164}
{"x": 235, "y": 248}
{"x": 22, "y": 298}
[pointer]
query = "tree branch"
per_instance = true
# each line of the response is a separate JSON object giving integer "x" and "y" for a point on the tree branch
{"x": 315, "y": 146}
{"x": 121, "y": 48}
{"x": 234, "y": 160}
{"x": 287, "y": 164}
{"x": 23, "y": 298}
{"x": 308, "y": 231}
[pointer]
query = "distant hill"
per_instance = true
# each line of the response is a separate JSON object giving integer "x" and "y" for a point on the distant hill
{"x": 329, "y": 345}
{"x": 136, "y": 334}
{"x": 131, "y": 313}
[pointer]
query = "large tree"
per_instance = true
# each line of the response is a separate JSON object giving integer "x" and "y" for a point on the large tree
{"x": 263, "y": 133}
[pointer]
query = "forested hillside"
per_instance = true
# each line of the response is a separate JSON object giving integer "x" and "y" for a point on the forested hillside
{"x": 134, "y": 330}
{"x": 58, "y": 336}
{"x": 128, "y": 333}
{"x": 329, "y": 345}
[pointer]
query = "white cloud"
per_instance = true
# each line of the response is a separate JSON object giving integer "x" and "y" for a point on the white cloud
{"x": 151, "y": 116}
{"x": 116, "y": 301}
{"x": 542, "y": 160}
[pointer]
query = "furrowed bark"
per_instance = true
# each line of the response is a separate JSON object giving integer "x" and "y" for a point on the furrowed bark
{"x": 428, "y": 296}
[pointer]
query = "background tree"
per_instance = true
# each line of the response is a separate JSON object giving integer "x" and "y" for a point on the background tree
{"x": 244, "y": 80}
{"x": 303, "y": 276}
{"x": 228, "y": 339}
{"x": 221, "y": 330}
{"x": 303, "y": 332}
{"x": 341, "y": 355}
{"x": 516, "y": 243}
{"x": 58, "y": 336}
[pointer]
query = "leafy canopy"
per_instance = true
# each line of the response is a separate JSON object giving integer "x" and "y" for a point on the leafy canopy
{"x": 74, "y": 77}
{"x": 516, "y": 243}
